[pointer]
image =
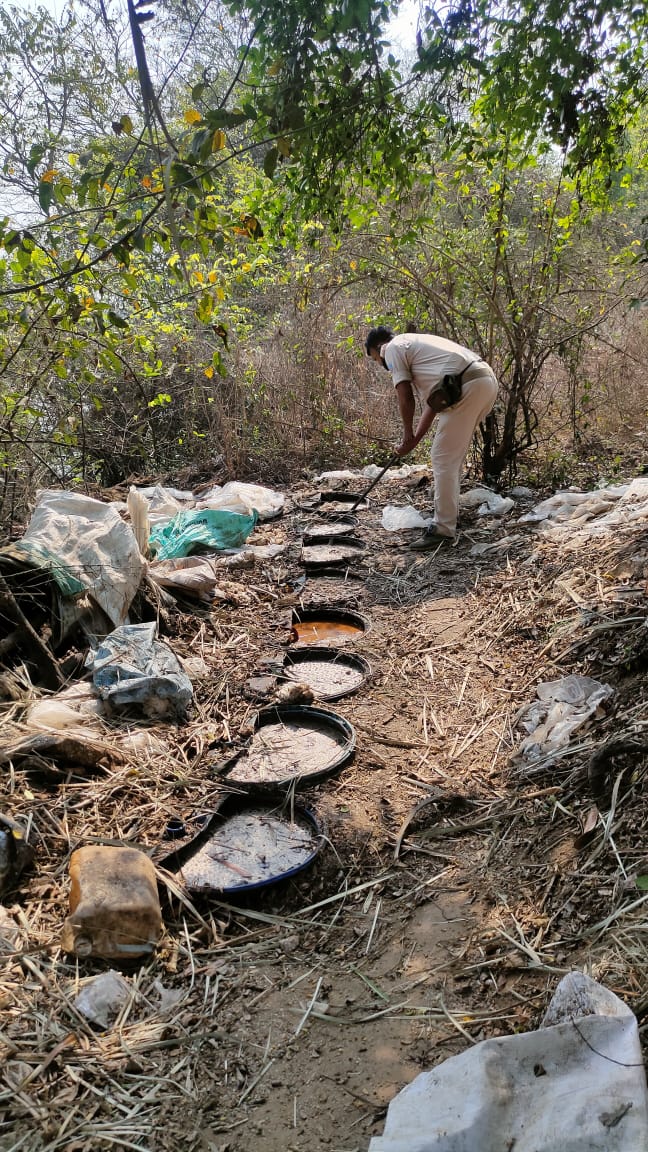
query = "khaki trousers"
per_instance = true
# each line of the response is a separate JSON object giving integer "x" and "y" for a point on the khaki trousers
{"x": 454, "y": 432}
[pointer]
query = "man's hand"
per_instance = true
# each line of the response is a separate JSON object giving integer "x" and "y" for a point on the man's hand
{"x": 407, "y": 445}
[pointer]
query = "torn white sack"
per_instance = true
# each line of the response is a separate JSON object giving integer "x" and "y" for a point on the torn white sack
{"x": 577, "y": 1084}
{"x": 86, "y": 541}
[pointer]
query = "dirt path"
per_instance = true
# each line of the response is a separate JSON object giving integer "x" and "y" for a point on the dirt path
{"x": 289, "y": 1021}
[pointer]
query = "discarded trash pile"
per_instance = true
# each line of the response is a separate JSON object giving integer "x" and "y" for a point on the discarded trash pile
{"x": 92, "y": 555}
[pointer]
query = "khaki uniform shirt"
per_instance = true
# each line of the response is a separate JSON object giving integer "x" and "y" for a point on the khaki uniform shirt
{"x": 424, "y": 360}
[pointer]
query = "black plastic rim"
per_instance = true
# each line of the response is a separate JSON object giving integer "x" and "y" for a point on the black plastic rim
{"x": 356, "y": 546}
{"x": 328, "y": 612}
{"x": 311, "y": 652}
{"x": 294, "y": 713}
{"x": 230, "y": 805}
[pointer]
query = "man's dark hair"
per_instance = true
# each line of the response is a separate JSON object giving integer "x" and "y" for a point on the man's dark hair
{"x": 377, "y": 337}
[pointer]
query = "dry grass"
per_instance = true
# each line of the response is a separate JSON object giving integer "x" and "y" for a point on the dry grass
{"x": 433, "y": 804}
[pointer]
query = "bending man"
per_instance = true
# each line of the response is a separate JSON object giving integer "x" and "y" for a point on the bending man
{"x": 418, "y": 364}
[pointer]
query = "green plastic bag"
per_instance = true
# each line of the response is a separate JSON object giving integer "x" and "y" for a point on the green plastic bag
{"x": 204, "y": 528}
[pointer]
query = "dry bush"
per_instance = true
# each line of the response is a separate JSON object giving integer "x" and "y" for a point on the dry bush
{"x": 304, "y": 397}
{"x": 592, "y": 414}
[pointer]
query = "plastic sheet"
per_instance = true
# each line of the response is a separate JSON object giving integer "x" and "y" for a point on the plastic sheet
{"x": 208, "y": 528}
{"x": 244, "y": 498}
{"x": 131, "y": 668}
{"x": 102, "y": 998}
{"x": 563, "y": 706}
{"x": 577, "y": 1084}
{"x": 398, "y": 519}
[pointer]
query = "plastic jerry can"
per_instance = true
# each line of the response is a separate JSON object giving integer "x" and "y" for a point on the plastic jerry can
{"x": 114, "y": 904}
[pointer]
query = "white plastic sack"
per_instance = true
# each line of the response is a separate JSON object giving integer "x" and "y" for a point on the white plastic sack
{"x": 88, "y": 541}
{"x": 164, "y": 504}
{"x": 244, "y": 498}
{"x": 396, "y": 519}
{"x": 563, "y": 706}
{"x": 577, "y": 1084}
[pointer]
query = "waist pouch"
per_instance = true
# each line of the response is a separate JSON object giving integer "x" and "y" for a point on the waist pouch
{"x": 451, "y": 385}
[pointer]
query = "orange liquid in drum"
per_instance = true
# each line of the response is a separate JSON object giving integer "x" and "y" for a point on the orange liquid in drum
{"x": 312, "y": 631}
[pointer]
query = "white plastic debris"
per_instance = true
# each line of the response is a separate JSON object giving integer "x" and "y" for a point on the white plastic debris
{"x": 140, "y": 743}
{"x": 138, "y": 510}
{"x": 486, "y": 502}
{"x": 475, "y": 497}
{"x": 163, "y": 504}
{"x": 244, "y": 498}
{"x": 76, "y": 706}
{"x": 9, "y": 932}
{"x": 594, "y": 511}
{"x": 577, "y": 1084}
{"x": 102, "y": 998}
{"x": 193, "y": 575}
{"x": 397, "y": 518}
{"x": 130, "y": 667}
{"x": 496, "y": 505}
{"x": 169, "y": 998}
{"x": 501, "y": 545}
{"x": 54, "y": 714}
{"x": 402, "y": 473}
{"x": 371, "y": 471}
{"x": 156, "y": 493}
{"x": 563, "y": 706}
{"x": 337, "y": 474}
